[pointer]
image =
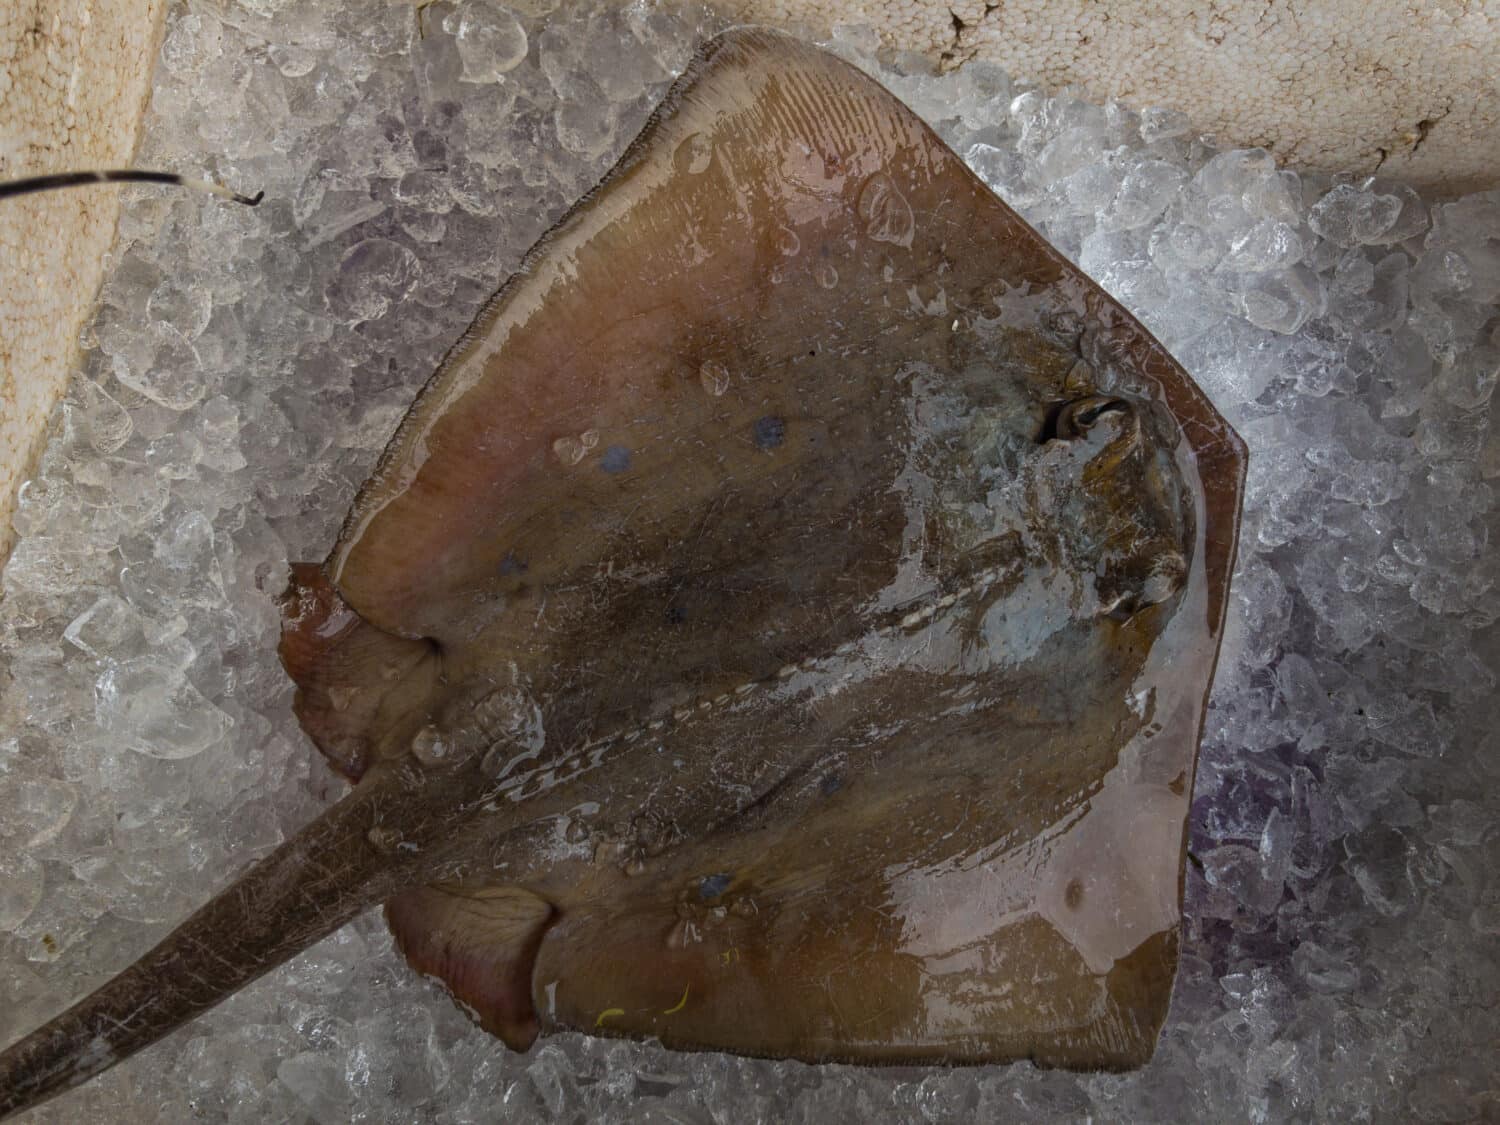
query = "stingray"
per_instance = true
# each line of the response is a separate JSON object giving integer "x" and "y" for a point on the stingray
{"x": 782, "y": 625}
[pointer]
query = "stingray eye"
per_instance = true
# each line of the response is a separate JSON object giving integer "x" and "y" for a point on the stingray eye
{"x": 1165, "y": 575}
{"x": 1076, "y": 418}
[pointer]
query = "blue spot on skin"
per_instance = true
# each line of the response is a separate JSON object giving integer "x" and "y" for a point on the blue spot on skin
{"x": 616, "y": 459}
{"x": 510, "y": 565}
{"x": 831, "y": 785}
{"x": 712, "y": 886}
{"x": 770, "y": 432}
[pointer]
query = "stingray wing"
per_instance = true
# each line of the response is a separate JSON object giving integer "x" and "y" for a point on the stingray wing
{"x": 702, "y": 353}
{"x": 958, "y": 873}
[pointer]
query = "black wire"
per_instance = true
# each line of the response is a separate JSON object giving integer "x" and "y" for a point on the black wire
{"x": 122, "y": 176}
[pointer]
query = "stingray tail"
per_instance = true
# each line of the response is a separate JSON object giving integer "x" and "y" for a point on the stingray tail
{"x": 306, "y": 889}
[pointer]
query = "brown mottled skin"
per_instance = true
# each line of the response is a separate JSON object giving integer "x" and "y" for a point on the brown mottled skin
{"x": 782, "y": 625}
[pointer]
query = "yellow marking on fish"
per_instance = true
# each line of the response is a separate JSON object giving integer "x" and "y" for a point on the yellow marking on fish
{"x": 729, "y": 956}
{"x": 608, "y": 1013}
{"x": 681, "y": 1004}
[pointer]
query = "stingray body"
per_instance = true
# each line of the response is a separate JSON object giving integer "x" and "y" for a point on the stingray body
{"x": 782, "y": 625}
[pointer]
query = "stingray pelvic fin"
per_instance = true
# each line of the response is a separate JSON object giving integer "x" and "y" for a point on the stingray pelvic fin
{"x": 351, "y": 676}
{"x": 482, "y": 944}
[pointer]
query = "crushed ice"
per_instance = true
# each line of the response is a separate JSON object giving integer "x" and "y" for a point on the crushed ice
{"x": 1343, "y": 899}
